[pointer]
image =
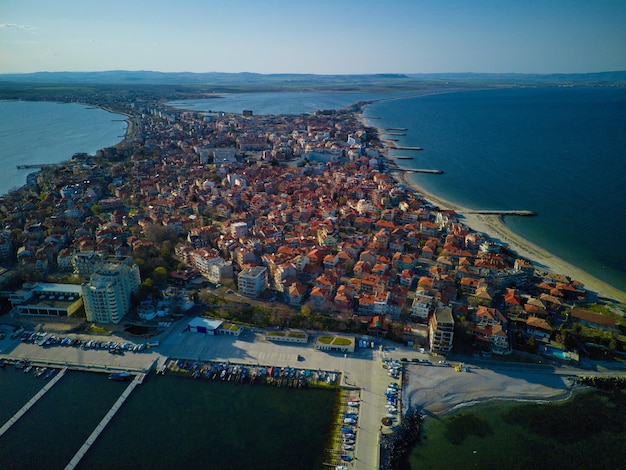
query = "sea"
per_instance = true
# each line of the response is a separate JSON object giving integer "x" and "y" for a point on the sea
{"x": 46, "y": 133}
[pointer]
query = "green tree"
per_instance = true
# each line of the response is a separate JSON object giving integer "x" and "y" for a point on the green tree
{"x": 96, "y": 209}
{"x": 159, "y": 274}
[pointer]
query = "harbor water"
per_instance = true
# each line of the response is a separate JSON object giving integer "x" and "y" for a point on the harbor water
{"x": 167, "y": 422}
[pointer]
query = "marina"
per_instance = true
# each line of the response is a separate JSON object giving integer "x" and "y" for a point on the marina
{"x": 107, "y": 418}
{"x": 30, "y": 403}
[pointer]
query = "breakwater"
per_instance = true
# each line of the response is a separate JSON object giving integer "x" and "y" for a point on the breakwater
{"x": 523, "y": 213}
{"x": 35, "y": 165}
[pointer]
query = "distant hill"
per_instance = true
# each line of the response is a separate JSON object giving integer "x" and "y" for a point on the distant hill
{"x": 340, "y": 82}
{"x": 186, "y": 78}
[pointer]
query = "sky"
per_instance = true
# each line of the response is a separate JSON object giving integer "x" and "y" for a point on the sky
{"x": 316, "y": 36}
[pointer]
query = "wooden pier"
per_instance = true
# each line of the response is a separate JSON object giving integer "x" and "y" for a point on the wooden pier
{"x": 96, "y": 432}
{"x": 31, "y": 402}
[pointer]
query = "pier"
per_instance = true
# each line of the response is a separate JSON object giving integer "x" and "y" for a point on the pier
{"x": 395, "y": 147}
{"x": 31, "y": 402}
{"x": 522, "y": 213}
{"x": 418, "y": 170}
{"x": 431, "y": 172}
{"x": 34, "y": 165}
{"x": 395, "y": 129}
{"x": 96, "y": 432}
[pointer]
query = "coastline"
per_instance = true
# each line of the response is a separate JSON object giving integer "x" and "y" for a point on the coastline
{"x": 494, "y": 227}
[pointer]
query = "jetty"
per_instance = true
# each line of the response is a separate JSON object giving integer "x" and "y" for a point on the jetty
{"x": 431, "y": 172}
{"x": 96, "y": 432}
{"x": 34, "y": 165}
{"x": 396, "y": 147}
{"x": 395, "y": 129}
{"x": 22, "y": 411}
{"x": 523, "y": 213}
{"x": 416, "y": 170}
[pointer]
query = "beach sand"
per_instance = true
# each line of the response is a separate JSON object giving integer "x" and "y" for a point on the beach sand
{"x": 437, "y": 389}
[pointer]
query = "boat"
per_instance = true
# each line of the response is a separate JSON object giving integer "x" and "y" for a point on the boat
{"x": 27, "y": 369}
{"x": 50, "y": 373}
{"x": 120, "y": 376}
{"x": 40, "y": 371}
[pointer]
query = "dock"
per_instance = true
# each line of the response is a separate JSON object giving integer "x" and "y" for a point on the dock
{"x": 31, "y": 402}
{"x": 35, "y": 165}
{"x": 523, "y": 213}
{"x": 96, "y": 432}
{"x": 395, "y": 147}
{"x": 416, "y": 170}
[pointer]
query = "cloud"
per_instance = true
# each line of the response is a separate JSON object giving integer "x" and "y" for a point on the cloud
{"x": 15, "y": 26}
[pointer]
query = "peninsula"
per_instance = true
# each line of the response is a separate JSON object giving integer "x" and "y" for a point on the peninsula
{"x": 298, "y": 222}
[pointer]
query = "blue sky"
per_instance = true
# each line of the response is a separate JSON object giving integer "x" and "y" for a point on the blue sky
{"x": 317, "y": 36}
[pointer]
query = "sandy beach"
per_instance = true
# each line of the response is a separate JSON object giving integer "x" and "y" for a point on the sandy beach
{"x": 437, "y": 389}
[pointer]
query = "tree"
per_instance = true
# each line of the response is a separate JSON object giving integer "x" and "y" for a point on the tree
{"x": 96, "y": 209}
{"x": 159, "y": 274}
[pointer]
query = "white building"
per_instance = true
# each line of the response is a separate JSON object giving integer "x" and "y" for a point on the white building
{"x": 252, "y": 281}
{"x": 48, "y": 299}
{"x": 107, "y": 294}
{"x": 422, "y": 306}
{"x": 239, "y": 229}
{"x": 441, "y": 330}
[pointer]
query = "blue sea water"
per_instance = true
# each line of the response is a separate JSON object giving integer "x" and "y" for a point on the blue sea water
{"x": 44, "y": 132}
{"x": 560, "y": 152}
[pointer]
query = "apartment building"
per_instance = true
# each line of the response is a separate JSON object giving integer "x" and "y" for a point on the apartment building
{"x": 107, "y": 294}
{"x": 252, "y": 281}
{"x": 441, "y": 330}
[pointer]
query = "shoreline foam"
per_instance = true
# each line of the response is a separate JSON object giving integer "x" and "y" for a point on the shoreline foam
{"x": 493, "y": 226}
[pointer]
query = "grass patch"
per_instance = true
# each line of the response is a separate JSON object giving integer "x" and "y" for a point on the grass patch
{"x": 342, "y": 342}
{"x": 97, "y": 329}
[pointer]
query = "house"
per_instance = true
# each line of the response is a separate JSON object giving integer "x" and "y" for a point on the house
{"x": 593, "y": 320}
{"x": 538, "y": 327}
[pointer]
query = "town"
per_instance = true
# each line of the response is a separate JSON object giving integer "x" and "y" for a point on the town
{"x": 297, "y": 222}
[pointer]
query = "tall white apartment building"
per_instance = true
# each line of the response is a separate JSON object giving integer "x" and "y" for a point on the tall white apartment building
{"x": 252, "y": 281}
{"x": 107, "y": 294}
